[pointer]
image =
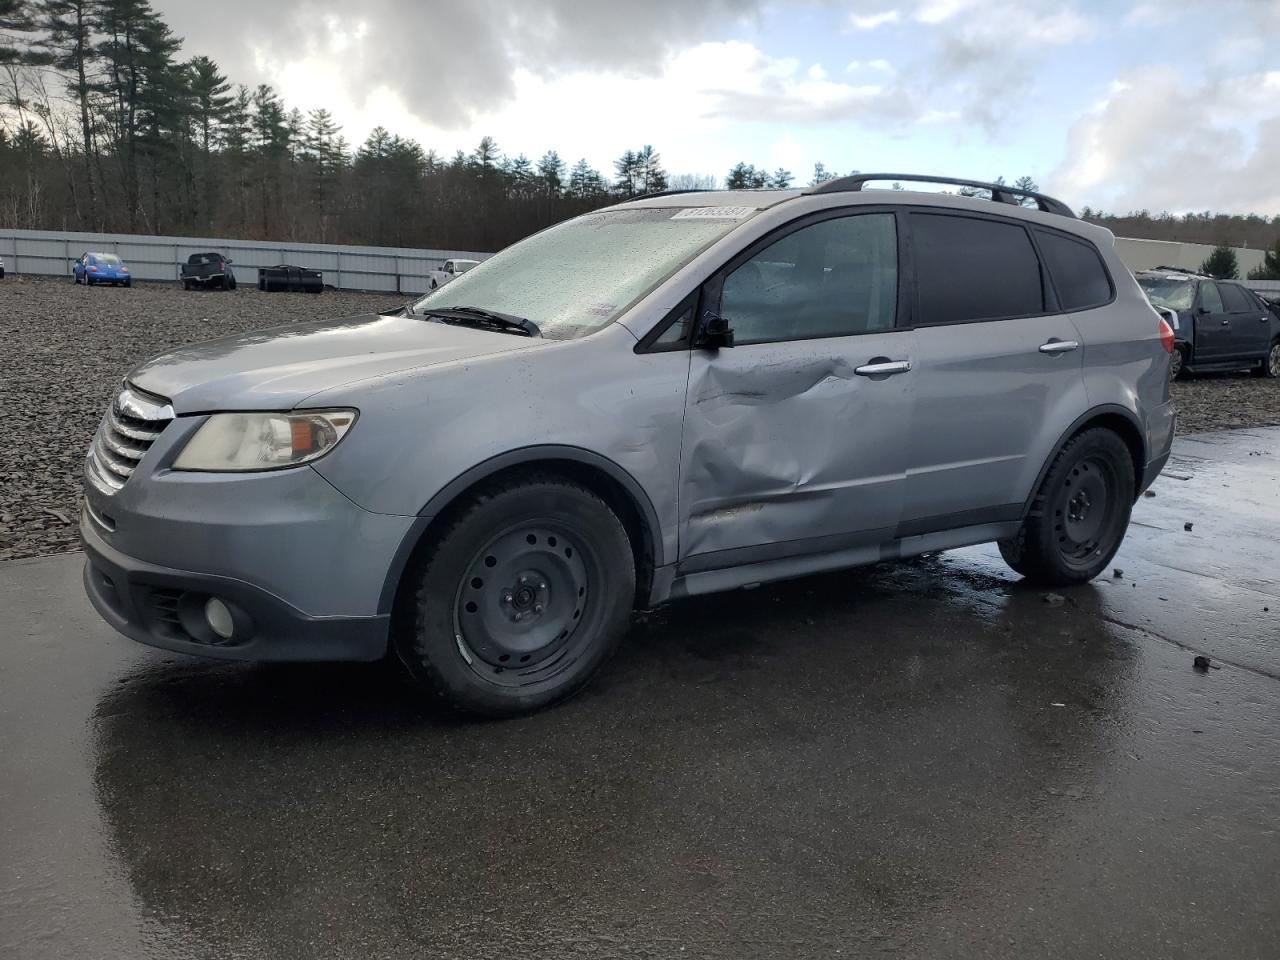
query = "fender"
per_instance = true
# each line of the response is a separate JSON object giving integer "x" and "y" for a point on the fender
{"x": 503, "y": 461}
{"x": 1091, "y": 414}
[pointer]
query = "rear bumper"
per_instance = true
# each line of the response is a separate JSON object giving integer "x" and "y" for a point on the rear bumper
{"x": 1161, "y": 424}
{"x": 163, "y": 607}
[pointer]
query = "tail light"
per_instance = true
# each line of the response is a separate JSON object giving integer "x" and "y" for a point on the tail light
{"x": 93, "y": 269}
{"x": 1166, "y": 335}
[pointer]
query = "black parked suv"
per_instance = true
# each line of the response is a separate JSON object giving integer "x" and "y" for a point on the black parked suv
{"x": 1217, "y": 324}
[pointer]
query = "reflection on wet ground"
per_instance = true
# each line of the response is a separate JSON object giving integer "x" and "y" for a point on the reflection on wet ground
{"x": 926, "y": 759}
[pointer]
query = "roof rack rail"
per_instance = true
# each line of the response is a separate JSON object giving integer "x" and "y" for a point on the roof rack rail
{"x": 1000, "y": 192}
{"x": 671, "y": 193}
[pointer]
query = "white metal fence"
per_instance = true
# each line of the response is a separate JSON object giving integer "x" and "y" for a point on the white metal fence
{"x": 389, "y": 269}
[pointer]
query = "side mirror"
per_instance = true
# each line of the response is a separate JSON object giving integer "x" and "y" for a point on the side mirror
{"x": 229, "y": 260}
{"x": 716, "y": 332}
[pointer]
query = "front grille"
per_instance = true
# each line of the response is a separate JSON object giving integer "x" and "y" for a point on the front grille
{"x": 133, "y": 422}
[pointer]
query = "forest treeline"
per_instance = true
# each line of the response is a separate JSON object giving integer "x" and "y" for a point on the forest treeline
{"x": 104, "y": 128}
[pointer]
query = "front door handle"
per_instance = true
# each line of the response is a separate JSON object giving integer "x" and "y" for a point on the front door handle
{"x": 882, "y": 367}
{"x": 1059, "y": 346}
{"x": 1226, "y": 323}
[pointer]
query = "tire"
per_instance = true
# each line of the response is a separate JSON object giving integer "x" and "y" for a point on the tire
{"x": 523, "y": 596}
{"x": 230, "y": 283}
{"x": 1178, "y": 363}
{"x": 1270, "y": 366}
{"x": 1080, "y": 513}
{"x": 128, "y": 283}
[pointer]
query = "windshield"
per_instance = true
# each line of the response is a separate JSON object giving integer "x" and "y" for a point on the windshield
{"x": 1170, "y": 292}
{"x": 578, "y": 277}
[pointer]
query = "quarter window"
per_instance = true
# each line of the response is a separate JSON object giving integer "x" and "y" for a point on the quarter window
{"x": 834, "y": 278}
{"x": 970, "y": 269}
{"x": 1209, "y": 298}
{"x": 1077, "y": 271}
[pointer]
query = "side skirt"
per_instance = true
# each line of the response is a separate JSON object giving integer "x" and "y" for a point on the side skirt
{"x": 669, "y": 584}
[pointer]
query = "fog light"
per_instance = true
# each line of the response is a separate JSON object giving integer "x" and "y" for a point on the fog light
{"x": 218, "y": 615}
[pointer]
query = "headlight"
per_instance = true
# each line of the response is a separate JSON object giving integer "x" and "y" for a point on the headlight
{"x": 264, "y": 441}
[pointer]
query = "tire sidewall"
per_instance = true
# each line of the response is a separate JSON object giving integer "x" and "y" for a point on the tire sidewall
{"x": 1034, "y": 552}
{"x": 430, "y": 649}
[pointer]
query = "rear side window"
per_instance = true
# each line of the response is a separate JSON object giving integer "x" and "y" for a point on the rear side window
{"x": 970, "y": 269}
{"x": 1235, "y": 298}
{"x": 1077, "y": 271}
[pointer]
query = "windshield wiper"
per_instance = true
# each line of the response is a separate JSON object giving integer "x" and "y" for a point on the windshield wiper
{"x": 485, "y": 318}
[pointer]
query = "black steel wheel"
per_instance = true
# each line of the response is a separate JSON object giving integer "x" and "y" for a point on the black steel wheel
{"x": 1079, "y": 516}
{"x": 520, "y": 599}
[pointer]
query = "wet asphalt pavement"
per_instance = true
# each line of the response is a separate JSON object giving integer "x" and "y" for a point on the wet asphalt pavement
{"x": 924, "y": 760}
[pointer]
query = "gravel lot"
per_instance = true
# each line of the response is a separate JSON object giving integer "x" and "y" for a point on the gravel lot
{"x": 67, "y": 347}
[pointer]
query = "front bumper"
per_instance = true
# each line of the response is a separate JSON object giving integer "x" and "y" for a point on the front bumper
{"x": 313, "y": 574}
{"x": 162, "y": 607}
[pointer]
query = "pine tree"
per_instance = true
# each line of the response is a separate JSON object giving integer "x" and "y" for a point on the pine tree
{"x": 551, "y": 173}
{"x": 1269, "y": 268}
{"x": 1221, "y": 263}
{"x": 650, "y": 177}
{"x": 627, "y": 169}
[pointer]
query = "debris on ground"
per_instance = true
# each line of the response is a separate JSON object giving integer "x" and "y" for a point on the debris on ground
{"x": 1204, "y": 664}
{"x": 1054, "y": 599}
{"x": 1149, "y": 493}
{"x": 1117, "y": 573}
{"x": 1187, "y": 526}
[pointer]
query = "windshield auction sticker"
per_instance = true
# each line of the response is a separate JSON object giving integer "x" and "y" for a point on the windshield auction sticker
{"x": 714, "y": 213}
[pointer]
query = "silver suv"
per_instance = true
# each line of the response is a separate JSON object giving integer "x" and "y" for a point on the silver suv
{"x": 686, "y": 393}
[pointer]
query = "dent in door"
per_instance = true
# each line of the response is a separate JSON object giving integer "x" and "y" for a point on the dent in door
{"x": 763, "y": 448}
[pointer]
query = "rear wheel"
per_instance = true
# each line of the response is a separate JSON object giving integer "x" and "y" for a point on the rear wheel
{"x": 1079, "y": 516}
{"x": 522, "y": 598}
{"x": 1270, "y": 366}
{"x": 229, "y": 282}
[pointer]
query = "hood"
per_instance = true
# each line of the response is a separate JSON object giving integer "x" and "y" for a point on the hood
{"x": 277, "y": 369}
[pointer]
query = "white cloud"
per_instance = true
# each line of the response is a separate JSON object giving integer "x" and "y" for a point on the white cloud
{"x": 1216, "y": 151}
{"x": 816, "y": 72}
{"x": 939, "y": 11}
{"x": 883, "y": 66}
{"x": 869, "y": 21}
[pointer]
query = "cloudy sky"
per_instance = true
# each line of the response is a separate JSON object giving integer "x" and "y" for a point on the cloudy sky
{"x": 1122, "y": 104}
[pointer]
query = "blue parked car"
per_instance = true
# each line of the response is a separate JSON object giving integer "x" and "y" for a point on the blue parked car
{"x": 101, "y": 268}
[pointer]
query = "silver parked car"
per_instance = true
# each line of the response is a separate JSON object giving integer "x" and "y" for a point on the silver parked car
{"x": 685, "y": 393}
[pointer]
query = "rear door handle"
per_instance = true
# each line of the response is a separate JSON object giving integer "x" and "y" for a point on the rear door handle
{"x": 1059, "y": 346}
{"x": 882, "y": 367}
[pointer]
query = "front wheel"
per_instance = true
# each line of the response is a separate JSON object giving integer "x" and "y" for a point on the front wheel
{"x": 521, "y": 599}
{"x": 1270, "y": 367}
{"x": 1178, "y": 363}
{"x": 1079, "y": 516}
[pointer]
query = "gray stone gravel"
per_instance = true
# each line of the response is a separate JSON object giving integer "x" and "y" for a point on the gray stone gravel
{"x": 65, "y": 348}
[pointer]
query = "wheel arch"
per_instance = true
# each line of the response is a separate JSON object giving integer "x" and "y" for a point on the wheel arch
{"x": 613, "y": 484}
{"x": 1114, "y": 417}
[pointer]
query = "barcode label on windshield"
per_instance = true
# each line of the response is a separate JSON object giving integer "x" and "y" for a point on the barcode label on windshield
{"x": 714, "y": 213}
